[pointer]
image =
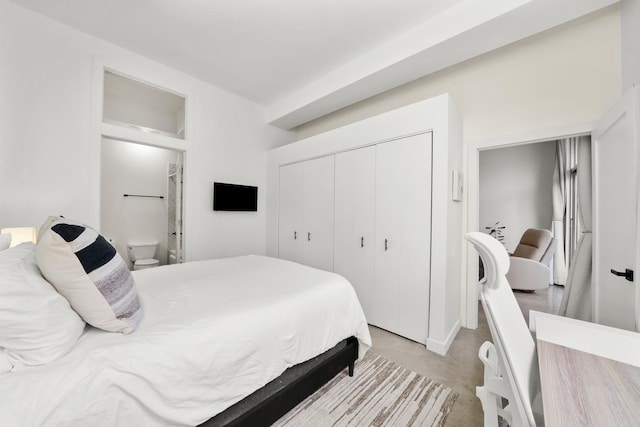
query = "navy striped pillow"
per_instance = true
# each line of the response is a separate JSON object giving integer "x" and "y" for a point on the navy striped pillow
{"x": 87, "y": 270}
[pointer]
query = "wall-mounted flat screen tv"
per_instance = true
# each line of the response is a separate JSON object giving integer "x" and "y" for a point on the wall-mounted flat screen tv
{"x": 233, "y": 197}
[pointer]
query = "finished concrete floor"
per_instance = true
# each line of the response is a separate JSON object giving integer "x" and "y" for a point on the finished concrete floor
{"x": 460, "y": 369}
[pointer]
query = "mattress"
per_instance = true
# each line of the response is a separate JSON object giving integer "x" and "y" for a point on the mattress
{"x": 213, "y": 332}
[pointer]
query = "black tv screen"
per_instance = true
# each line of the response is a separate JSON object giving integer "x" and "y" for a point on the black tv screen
{"x": 232, "y": 197}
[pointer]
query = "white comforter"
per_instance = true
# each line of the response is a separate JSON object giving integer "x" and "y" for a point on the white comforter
{"x": 213, "y": 332}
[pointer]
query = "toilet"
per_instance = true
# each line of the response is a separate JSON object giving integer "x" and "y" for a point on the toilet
{"x": 142, "y": 255}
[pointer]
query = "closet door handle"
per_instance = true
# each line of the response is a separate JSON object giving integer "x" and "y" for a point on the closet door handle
{"x": 295, "y": 235}
{"x": 386, "y": 244}
{"x": 362, "y": 242}
{"x": 308, "y": 237}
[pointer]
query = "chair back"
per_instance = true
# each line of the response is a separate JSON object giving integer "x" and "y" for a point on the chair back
{"x": 515, "y": 345}
{"x": 533, "y": 244}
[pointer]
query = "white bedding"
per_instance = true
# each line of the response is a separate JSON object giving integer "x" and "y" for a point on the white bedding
{"x": 212, "y": 333}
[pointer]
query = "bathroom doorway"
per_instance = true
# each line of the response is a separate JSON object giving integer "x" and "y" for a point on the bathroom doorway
{"x": 142, "y": 198}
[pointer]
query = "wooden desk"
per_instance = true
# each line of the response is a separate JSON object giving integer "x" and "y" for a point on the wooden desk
{"x": 589, "y": 374}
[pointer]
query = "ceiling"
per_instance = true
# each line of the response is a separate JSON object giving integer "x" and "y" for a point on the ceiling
{"x": 302, "y": 59}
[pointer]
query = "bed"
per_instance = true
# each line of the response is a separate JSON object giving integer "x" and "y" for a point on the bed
{"x": 226, "y": 337}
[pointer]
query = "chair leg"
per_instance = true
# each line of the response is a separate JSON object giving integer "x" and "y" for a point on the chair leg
{"x": 495, "y": 390}
{"x": 489, "y": 406}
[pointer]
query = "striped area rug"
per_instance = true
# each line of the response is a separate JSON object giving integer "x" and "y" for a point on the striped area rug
{"x": 381, "y": 393}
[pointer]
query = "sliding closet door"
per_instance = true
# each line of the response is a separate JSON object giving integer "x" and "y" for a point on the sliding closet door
{"x": 290, "y": 212}
{"x": 355, "y": 221}
{"x": 403, "y": 236}
{"x": 318, "y": 213}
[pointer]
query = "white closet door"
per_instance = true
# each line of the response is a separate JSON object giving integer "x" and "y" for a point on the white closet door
{"x": 354, "y": 236}
{"x": 318, "y": 202}
{"x": 403, "y": 236}
{"x": 290, "y": 224}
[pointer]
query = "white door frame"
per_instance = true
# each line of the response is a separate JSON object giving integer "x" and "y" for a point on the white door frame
{"x": 473, "y": 205}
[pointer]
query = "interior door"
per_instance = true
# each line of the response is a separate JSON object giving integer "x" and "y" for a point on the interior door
{"x": 318, "y": 213}
{"x": 354, "y": 236}
{"x": 403, "y": 236}
{"x": 615, "y": 142}
{"x": 290, "y": 212}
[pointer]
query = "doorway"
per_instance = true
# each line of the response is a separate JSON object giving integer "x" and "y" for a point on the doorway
{"x": 141, "y": 198}
{"x": 516, "y": 193}
{"x": 534, "y": 185}
{"x": 473, "y": 200}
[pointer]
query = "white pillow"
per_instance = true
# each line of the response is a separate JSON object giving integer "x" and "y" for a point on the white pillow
{"x": 5, "y": 241}
{"x": 87, "y": 270}
{"x": 46, "y": 224}
{"x": 37, "y": 325}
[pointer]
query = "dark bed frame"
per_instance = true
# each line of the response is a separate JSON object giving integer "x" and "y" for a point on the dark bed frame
{"x": 267, "y": 404}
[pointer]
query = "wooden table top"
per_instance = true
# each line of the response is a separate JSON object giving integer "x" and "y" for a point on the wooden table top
{"x": 583, "y": 389}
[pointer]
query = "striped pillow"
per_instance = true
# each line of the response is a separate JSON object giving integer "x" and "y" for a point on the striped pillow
{"x": 87, "y": 271}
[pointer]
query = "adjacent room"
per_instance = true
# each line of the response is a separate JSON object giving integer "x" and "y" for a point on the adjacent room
{"x": 248, "y": 213}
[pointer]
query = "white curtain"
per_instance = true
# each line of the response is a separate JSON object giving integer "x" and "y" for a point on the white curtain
{"x": 560, "y": 184}
{"x": 576, "y": 299}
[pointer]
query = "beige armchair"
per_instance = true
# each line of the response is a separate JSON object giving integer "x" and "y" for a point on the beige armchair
{"x": 531, "y": 261}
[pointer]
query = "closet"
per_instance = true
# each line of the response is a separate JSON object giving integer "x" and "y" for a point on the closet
{"x": 306, "y": 212}
{"x": 354, "y": 231}
{"x": 373, "y": 201}
{"x": 382, "y": 231}
{"x": 366, "y": 214}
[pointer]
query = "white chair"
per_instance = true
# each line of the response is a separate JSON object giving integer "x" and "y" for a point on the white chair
{"x": 495, "y": 388}
{"x": 530, "y": 264}
{"x": 511, "y": 364}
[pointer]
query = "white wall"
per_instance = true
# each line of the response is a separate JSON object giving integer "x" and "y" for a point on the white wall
{"x": 129, "y": 168}
{"x": 516, "y": 189}
{"x": 630, "y": 43}
{"x": 566, "y": 75}
{"x": 50, "y": 108}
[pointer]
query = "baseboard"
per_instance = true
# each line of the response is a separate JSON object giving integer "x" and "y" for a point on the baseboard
{"x": 441, "y": 347}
